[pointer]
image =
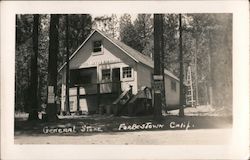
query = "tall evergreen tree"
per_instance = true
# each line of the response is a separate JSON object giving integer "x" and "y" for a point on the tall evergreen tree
{"x": 80, "y": 26}
{"x": 107, "y": 24}
{"x": 144, "y": 30}
{"x": 182, "y": 95}
{"x": 128, "y": 32}
{"x": 170, "y": 29}
{"x": 24, "y": 25}
{"x": 52, "y": 68}
{"x": 43, "y": 59}
{"x": 67, "y": 67}
{"x": 158, "y": 68}
{"x": 33, "y": 112}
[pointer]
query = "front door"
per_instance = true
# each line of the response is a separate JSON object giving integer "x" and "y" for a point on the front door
{"x": 116, "y": 84}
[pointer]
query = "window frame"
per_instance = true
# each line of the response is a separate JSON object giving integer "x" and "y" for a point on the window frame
{"x": 106, "y": 80}
{"x": 93, "y": 47}
{"x": 131, "y": 70}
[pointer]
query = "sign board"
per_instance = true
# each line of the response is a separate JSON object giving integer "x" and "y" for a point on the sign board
{"x": 157, "y": 91}
{"x": 158, "y": 86}
{"x": 51, "y": 98}
{"x": 50, "y": 89}
{"x": 158, "y": 77}
{"x": 51, "y": 95}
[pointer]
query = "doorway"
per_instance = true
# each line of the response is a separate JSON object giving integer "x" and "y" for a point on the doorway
{"x": 116, "y": 84}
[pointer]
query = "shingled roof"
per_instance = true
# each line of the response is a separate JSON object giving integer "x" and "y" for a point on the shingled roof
{"x": 134, "y": 54}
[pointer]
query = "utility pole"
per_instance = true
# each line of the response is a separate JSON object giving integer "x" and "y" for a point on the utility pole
{"x": 67, "y": 66}
{"x": 158, "y": 76}
{"x": 182, "y": 96}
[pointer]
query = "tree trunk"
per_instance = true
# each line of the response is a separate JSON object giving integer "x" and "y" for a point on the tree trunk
{"x": 182, "y": 96}
{"x": 33, "y": 111}
{"x": 52, "y": 68}
{"x": 196, "y": 75}
{"x": 210, "y": 78}
{"x": 158, "y": 39}
{"x": 67, "y": 66}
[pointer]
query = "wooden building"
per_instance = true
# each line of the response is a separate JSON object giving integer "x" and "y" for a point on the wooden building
{"x": 103, "y": 68}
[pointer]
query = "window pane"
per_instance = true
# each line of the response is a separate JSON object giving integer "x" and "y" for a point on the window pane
{"x": 97, "y": 46}
{"x": 106, "y": 74}
{"x": 126, "y": 72}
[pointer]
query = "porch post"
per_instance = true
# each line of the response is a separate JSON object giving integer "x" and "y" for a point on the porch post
{"x": 98, "y": 97}
{"x": 78, "y": 100}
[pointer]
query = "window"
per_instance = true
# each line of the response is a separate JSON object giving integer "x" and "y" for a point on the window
{"x": 106, "y": 74}
{"x": 126, "y": 72}
{"x": 97, "y": 46}
{"x": 173, "y": 85}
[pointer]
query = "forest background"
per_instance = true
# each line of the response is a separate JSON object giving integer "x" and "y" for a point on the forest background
{"x": 207, "y": 48}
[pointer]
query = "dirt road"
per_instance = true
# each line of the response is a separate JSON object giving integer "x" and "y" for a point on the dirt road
{"x": 168, "y": 137}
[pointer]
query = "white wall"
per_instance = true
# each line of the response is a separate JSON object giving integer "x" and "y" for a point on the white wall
{"x": 145, "y": 79}
{"x": 172, "y": 97}
{"x": 110, "y": 54}
{"x": 144, "y": 76}
{"x": 110, "y": 57}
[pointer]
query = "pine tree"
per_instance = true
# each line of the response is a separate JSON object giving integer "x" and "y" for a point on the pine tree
{"x": 107, "y": 24}
{"x": 181, "y": 96}
{"x": 144, "y": 31}
{"x": 158, "y": 51}
{"x": 128, "y": 32}
{"x": 24, "y": 49}
{"x": 52, "y": 68}
{"x": 33, "y": 112}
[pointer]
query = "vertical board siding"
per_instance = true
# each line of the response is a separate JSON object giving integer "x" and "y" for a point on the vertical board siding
{"x": 110, "y": 57}
{"x": 172, "y": 97}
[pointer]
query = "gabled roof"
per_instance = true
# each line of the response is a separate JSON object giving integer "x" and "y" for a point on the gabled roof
{"x": 134, "y": 54}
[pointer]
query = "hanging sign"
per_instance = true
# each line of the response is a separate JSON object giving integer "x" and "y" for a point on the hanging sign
{"x": 50, "y": 89}
{"x": 158, "y": 77}
{"x": 51, "y": 95}
{"x": 158, "y": 86}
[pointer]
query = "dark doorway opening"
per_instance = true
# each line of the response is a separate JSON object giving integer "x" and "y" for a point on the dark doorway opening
{"x": 116, "y": 85}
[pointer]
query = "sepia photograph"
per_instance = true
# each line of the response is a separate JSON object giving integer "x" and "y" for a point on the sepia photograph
{"x": 102, "y": 75}
{"x": 152, "y": 80}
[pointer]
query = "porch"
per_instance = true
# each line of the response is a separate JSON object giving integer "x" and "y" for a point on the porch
{"x": 91, "y": 98}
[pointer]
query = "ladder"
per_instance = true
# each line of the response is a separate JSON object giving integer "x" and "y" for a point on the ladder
{"x": 190, "y": 92}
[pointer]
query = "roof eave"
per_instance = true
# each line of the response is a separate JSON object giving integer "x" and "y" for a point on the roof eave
{"x": 77, "y": 49}
{"x": 117, "y": 45}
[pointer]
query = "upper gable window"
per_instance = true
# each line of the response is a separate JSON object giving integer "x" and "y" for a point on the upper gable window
{"x": 97, "y": 46}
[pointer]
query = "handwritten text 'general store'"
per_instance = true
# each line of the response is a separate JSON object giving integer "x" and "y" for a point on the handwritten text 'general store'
{"x": 72, "y": 129}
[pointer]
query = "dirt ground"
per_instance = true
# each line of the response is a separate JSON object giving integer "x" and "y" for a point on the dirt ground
{"x": 173, "y": 137}
{"x": 204, "y": 129}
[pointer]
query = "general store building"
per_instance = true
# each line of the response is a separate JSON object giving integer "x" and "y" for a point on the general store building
{"x": 103, "y": 68}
